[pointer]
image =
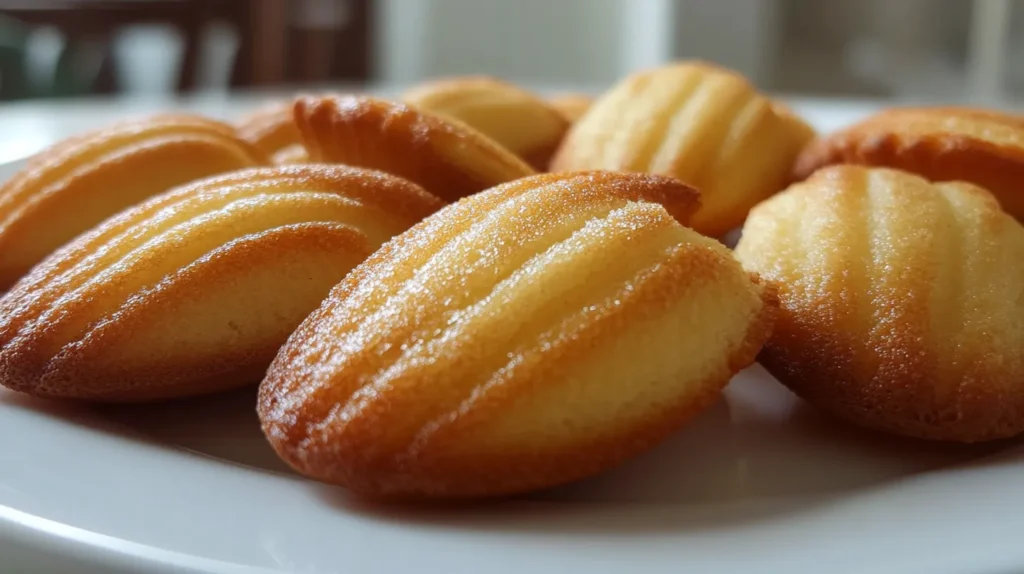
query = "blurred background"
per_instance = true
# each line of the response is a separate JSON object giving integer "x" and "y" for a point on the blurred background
{"x": 924, "y": 50}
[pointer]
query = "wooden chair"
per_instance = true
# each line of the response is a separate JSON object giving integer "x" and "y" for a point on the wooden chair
{"x": 272, "y": 50}
{"x": 95, "y": 22}
{"x": 14, "y": 82}
{"x": 280, "y": 46}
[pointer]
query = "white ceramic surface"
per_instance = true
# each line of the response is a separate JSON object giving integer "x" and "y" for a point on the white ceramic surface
{"x": 759, "y": 483}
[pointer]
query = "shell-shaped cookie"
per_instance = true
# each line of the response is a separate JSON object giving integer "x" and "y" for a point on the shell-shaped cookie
{"x": 195, "y": 290}
{"x": 527, "y": 336}
{"x": 982, "y": 147}
{"x": 520, "y": 121}
{"x": 76, "y": 184}
{"x": 270, "y": 128}
{"x": 705, "y": 125}
{"x": 290, "y": 155}
{"x": 446, "y": 157}
{"x": 572, "y": 106}
{"x": 902, "y": 301}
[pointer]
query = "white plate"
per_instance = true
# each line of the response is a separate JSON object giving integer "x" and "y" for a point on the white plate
{"x": 760, "y": 483}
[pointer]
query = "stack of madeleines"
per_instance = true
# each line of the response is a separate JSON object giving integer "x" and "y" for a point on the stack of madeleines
{"x": 473, "y": 290}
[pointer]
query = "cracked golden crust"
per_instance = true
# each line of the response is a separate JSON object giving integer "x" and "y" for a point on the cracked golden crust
{"x": 700, "y": 123}
{"x": 524, "y": 337}
{"x": 195, "y": 290}
{"x": 444, "y": 156}
{"x": 519, "y": 120}
{"x": 74, "y": 185}
{"x": 901, "y": 301}
{"x": 982, "y": 147}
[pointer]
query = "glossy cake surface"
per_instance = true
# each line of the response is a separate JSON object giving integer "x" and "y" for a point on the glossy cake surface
{"x": 527, "y": 336}
{"x": 520, "y": 121}
{"x": 702, "y": 124}
{"x": 444, "y": 156}
{"x": 76, "y": 184}
{"x": 195, "y": 290}
{"x": 902, "y": 301}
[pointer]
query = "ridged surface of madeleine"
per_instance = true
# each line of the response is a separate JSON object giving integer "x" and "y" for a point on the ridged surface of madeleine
{"x": 702, "y": 124}
{"x": 446, "y": 157}
{"x": 902, "y": 301}
{"x": 527, "y": 336}
{"x": 518, "y": 120}
{"x": 982, "y": 147}
{"x": 78, "y": 183}
{"x": 270, "y": 128}
{"x": 195, "y": 290}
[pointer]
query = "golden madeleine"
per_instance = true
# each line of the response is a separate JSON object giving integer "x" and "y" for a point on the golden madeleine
{"x": 572, "y": 106}
{"x": 902, "y": 301}
{"x": 74, "y": 185}
{"x": 702, "y": 124}
{"x": 270, "y": 128}
{"x": 290, "y": 155}
{"x": 195, "y": 290}
{"x": 520, "y": 121}
{"x": 527, "y": 336}
{"x": 982, "y": 147}
{"x": 446, "y": 157}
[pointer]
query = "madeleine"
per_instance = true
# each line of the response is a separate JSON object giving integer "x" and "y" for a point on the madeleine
{"x": 290, "y": 155}
{"x": 520, "y": 121}
{"x": 527, "y": 336}
{"x": 195, "y": 290}
{"x": 702, "y": 124}
{"x": 271, "y": 129}
{"x": 902, "y": 301}
{"x": 982, "y": 147}
{"x": 74, "y": 185}
{"x": 572, "y": 106}
{"x": 444, "y": 156}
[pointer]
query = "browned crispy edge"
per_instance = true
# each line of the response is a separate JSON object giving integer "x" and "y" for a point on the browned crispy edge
{"x": 392, "y": 137}
{"x": 819, "y": 364}
{"x": 574, "y": 464}
{"x": 270, "y": 129}
{"x": 937, "y": 156}
{"x": 67, "y": 376}
{"x": 447, "y": 481}
{"x": 22, "y": 369}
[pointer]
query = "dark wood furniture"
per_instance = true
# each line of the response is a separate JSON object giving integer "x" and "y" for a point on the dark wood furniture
{"x": 276, "y": 48}
{"x": 96, "y": 22}
{"x": 272, "y": 49}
